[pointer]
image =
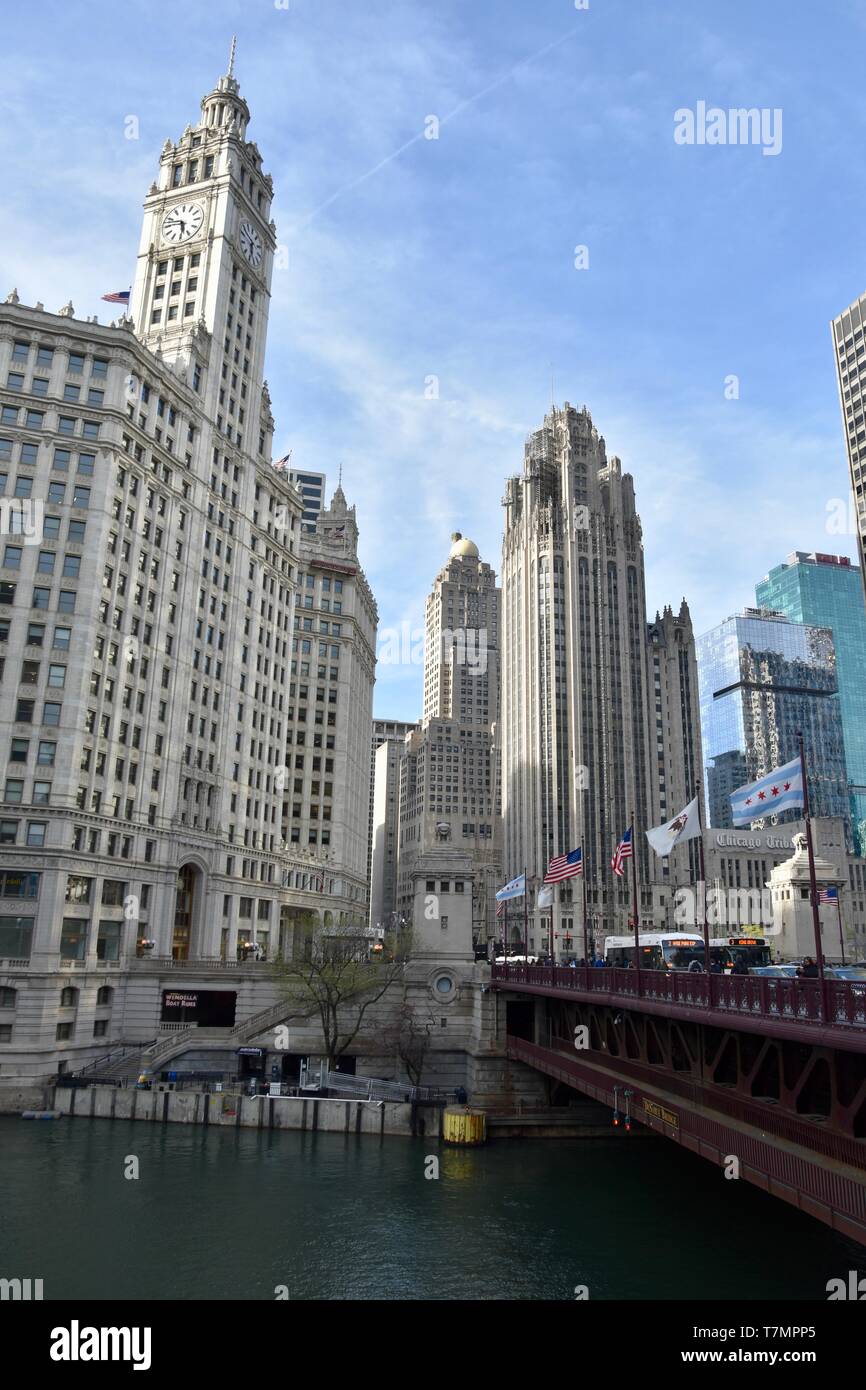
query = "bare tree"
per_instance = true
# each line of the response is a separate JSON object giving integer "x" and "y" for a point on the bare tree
{"x": 407, "y": 1035}
{"x": 340, "y": 977}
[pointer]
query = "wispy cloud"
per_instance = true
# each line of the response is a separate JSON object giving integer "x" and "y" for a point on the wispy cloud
{"x": 412, "y": 259}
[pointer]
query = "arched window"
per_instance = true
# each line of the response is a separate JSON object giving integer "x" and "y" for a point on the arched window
{"x": 69, "y": 997}
{"x": 190, "y": 889}
{"x": 104, "y": 995}
{"x": 8, "y": 997}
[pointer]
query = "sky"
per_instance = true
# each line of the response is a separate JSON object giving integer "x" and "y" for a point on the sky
{"x": 430, "y": 306}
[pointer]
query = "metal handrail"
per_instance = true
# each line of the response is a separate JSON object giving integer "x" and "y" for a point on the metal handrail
{"x": 841, "y": 1005}
{"x": 114, "y": 1055}
{"x": 159, "y": 1049}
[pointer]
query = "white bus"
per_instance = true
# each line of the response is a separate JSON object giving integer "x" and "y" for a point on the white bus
{"x": 658, "y": 950}
{"x": 742, "y": 951}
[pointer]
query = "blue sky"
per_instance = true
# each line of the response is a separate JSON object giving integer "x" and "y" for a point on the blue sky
{"x": 411, "y": 258}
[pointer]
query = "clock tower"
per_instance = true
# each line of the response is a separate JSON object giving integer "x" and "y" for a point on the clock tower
{"x": 203, "y": 275}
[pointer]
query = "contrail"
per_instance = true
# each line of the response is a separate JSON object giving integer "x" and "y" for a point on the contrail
{"x": 362, "y": 178}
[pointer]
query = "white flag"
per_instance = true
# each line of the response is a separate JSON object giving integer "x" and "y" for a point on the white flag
{"x": 545, "y": 895}
{"x": 685, "y": 826}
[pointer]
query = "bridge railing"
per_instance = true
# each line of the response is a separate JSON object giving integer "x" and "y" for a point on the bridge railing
{"x": 840, "y": 1004}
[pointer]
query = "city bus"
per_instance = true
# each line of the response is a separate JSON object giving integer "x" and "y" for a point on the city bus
{"x": 748, "y": 951}
{"x": 658, "y": 950}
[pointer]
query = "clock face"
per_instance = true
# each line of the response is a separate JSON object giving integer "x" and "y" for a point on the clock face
{"x": 182, "y": 223}
{"x": 251, "y": 244}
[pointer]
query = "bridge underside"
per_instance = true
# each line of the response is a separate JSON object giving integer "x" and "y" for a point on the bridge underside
{"x": 791, "y": 1113}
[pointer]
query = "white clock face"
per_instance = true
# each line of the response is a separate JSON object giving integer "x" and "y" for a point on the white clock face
{"x": 251, "y": 244}
{"x": 182, "y": 223}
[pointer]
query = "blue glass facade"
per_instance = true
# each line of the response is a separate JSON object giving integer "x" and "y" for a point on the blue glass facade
{"x": 828, "y": 589}
{"x": 763, "y": 680}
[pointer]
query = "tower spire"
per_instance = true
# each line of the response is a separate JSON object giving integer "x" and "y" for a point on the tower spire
{"x": 232, "y": 51}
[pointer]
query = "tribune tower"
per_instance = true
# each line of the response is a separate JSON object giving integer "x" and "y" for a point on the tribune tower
{"x": 599, "y": 711}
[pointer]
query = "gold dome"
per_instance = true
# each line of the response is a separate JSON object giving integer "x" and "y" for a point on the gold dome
{"x": 462, "y": 548}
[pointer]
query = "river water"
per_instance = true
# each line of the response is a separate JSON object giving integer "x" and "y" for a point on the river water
{"x": 236, "y": 1215}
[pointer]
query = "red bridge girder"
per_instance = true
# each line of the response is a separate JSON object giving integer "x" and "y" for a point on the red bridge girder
{"x": 792, "y": 1112}
{"x": 831, "y": 1191}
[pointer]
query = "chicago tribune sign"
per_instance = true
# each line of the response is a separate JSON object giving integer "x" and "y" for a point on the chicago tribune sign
{"x": 726, "y": 841}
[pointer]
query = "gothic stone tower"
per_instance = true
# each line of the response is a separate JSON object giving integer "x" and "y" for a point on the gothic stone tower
{"x": 576, "y": 756}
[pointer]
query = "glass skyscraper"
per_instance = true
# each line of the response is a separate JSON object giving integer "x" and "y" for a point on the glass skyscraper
{"x": 764, "y": 679}
{"x": 827, "y": 589}
{"x": 312, "y": 487}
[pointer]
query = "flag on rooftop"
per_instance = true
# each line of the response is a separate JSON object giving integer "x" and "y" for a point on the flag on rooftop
{"x": 828, "y": 895}
{"x": 780, "y": 790}
{"x": 685, "y": 826}
{"x": 119, "y": 297}
{"x": 282, "y": 464}
{"x": 564, "y": 866}
{"x": 622, "y": 852}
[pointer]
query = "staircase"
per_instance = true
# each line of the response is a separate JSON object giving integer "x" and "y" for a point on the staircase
{"x": 129, "y": 1067}
{"x": 266, "y": 1018}
{"x": 157, "y": 1052}
{"x": 123, "y": 1062}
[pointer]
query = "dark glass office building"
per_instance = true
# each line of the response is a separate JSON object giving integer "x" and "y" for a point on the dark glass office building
{"x": 827, "y": 590}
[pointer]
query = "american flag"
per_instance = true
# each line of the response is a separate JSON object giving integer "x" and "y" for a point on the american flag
{"x": 622, "y": 852}
{"x": 119, "y": 297}
{"x": 564, "y": 866}
{"x": 828, "y": 895}
{"x": 282, "y": 464}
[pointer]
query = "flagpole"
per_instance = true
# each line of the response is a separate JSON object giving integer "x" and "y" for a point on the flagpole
{"x": 525, "y": 917}
{"x": 585, "y": 943}
{"x": 816, "y": 920}
{"x": 839, "y": 915}
{"x": 634, "y": 900}
{"x": 552, "y": 910}
{"x": 703, "y": 872}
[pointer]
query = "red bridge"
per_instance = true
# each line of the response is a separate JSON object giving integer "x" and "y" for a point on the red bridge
{"x": 769, "y": 1072}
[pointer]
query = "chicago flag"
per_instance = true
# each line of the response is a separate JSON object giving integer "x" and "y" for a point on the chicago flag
{"x": 780, "y": 790}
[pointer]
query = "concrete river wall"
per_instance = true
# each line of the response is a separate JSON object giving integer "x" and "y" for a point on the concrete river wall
{"x": 251, "y": 1112}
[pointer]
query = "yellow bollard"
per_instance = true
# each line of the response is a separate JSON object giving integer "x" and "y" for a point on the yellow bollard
{"x": 464, "y": 1126}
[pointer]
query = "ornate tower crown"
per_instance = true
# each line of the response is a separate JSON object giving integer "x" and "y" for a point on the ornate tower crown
{"x": 224, "y": 107}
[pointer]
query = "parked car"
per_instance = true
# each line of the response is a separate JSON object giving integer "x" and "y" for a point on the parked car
{"x": 777, "y": 972}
